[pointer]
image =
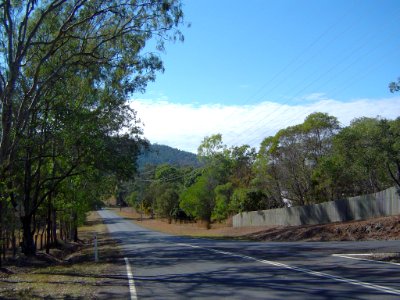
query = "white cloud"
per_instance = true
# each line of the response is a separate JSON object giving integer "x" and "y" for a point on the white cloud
{"x": 184, "y": 125}
{"x": 314, "y": 97}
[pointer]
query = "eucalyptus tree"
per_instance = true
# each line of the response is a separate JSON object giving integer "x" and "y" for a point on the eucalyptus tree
{"x": 318, "y": 130}
{"x": 389, "y": 144}
{"x": 365, "y": 158}
{"x": 241, "y": 164}
{"x": 42, "y": 41}
{"x": 265, "y": 170}
{"x": 239, "y": 194}
{"x": 66, "y": 70}
{"x": 223, "y": 196}
{"x": 226, "y": 172}
{"x": 291, "y": 156}
{"x": 75, "y": 197}
{"x": 292, "y": 169}
{"x": 166, "y": 188}
{"x": 198, "y": 199}
{"x": 70, "y": 139}
{"x": 140, "y": 194}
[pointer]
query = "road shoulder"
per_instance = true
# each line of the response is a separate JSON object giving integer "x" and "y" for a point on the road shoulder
{"x": 69, "y": 275}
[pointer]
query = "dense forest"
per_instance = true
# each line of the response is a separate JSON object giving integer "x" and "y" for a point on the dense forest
{"x": 312, "y": 162}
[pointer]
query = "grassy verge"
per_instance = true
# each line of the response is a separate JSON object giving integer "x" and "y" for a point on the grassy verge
{"x": 76, "y": 276}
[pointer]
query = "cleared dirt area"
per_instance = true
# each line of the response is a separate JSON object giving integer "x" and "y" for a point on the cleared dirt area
{"x": 387, "y": 228}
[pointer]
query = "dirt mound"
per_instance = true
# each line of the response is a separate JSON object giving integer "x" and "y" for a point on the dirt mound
{"x": 387, "y": 228}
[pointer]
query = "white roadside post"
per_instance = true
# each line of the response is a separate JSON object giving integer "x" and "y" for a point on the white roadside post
{"x": 96, "y": 254}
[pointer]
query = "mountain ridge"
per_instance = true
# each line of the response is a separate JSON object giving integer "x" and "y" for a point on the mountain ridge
{"x": 157, "y": 154}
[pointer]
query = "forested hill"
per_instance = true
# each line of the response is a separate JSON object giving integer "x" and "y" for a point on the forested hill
{"x": 161, "y": 154}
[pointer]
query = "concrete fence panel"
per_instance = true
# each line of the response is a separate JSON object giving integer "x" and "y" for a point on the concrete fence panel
{"x": 384, "y": 203}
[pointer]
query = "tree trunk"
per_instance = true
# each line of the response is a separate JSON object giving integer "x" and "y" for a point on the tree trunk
{"x": 76, "y": 239}
{"x": 54, "y": 225}
{"x": 74, "y": 227}
{"x": 1, "y": 228}
{"x": 14, "y": 243}
{"x": 5, "y": 245}
{"x": 398, "y": 175}
{"x": 13, "y": 237}
{"x": 28, "y": 246}
{"x": 48, "y": 237}
{"x": 61, "y": 229}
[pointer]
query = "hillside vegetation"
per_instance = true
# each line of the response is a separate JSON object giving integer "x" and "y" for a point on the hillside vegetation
{"x": 160, "y": 154}
{"x": 308, "y": 163}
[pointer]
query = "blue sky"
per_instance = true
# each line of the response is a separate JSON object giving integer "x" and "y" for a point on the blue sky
{"x": 268, "y": 64}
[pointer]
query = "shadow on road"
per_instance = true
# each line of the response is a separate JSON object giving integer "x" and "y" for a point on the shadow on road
{"x": 171, "y": 267}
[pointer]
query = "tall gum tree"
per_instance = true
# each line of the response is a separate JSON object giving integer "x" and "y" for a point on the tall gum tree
{"x": 292, "y": 155}
{"x": 47, "y": 44}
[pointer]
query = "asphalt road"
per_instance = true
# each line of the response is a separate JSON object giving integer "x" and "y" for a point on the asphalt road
{"x": 171, "y": 267}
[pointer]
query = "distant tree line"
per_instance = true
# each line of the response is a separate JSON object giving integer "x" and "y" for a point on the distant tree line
{"x": 312, "y": 162}
{"x": 67, "y": 134}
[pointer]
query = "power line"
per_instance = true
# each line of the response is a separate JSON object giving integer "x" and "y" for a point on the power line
{"x": 312, "y": 57}
{"x": 357, "y": 49}
{"x": 297, "y": 57}
{"x": 374, "y": 67}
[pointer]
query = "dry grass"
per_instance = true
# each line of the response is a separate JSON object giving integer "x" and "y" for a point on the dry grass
{"x": 218, "y": 230}
{"x": 76, "y": 277}
{"x": 384, "y": 228}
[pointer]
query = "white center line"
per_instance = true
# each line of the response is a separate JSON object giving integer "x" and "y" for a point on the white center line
{"x": 351, "y": 256}
{"x": 132, "y": 288}
{"x": 306, "y": 271}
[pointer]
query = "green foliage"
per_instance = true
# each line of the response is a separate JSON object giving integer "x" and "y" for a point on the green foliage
{"x": 167, "y": 202}
{"x": 67, "y": 69}
{"x": 165, "y": 190}
{"x": 389, "y": 145}
{"x": 241, "y": 160}
{"x": 161, "y": 154}
{"x": 222, "y": 209}
{"x": 286, "y": 162}
{"x": 394, "y": 86}
{"x": 211, "y": 148}
{"x": 311, "y": 162}
{"x": 364, "y": 159}
{"x": 156, "y": 190}
{"x": 132, "y": 198}
{"x": 239, "y": 198}
{"x": 167, "y": 173}
{"x": 249, "y": 199}
{"x": 198, "y": 200}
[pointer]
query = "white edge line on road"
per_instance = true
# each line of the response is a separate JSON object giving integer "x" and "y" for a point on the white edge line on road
{"x": 351, "y": 256}
{"x": 132, "y": 288}
{"x": 306, "y": 271}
